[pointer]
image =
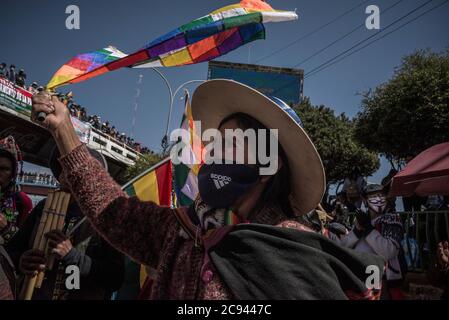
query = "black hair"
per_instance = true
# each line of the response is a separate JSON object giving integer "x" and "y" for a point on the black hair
{"x": 9, "y": 155}
{"x": 278, "y": 189}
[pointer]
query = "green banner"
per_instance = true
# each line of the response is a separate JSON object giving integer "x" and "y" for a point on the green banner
{"x": 14, "y": 97}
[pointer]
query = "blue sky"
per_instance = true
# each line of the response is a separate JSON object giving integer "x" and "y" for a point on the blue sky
{"x": 34, "y": 37}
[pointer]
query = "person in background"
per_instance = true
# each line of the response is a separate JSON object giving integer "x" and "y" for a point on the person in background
{"x": 340, "y": 211}
{"x": 101, "y": 266}
{"x": 21, "y": 78}
{"x": 11, "y": 74}
{"x": 122, "y": 137}
{"x": 353, "y": 188}
{"x": 386, "y": 183}
{"x": 322, "y": 223}
{"x": 113, "y": 132}
{"x": 83, "y": 114}
{"x": 137, "y": 147}
{"x": 105, "y": 127}
{"x": 97, "y": 122}
{"x": 379, "y": 231}
{"x": 72, "y": 109}
{"x": 3, "y": 69}
{"x": 78, "y": 111}
{"x": 15, "y": 206}
{"x": 443, "y": 264}
{"x": 33, "y": 88}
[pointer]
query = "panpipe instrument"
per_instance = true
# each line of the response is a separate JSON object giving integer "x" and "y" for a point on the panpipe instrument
{"x": 53, "y": 217}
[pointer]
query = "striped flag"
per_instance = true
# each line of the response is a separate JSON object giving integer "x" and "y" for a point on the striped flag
{"x": 200, "y": 40}
{"x": 155, "y": 184}
{"x": 85, "y": 66}
{"x": 186, "y": 173}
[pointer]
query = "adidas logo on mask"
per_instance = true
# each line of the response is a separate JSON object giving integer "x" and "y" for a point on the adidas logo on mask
{"x": 220, "y": 181}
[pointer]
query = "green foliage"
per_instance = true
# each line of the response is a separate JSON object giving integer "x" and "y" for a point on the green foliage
{"x": 145, "y": 162}
{"x": 333, "y": 137}
{"x": 410, "y": 112}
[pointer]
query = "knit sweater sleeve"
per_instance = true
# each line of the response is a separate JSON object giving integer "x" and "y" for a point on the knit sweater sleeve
{"x": 136, "y": 228}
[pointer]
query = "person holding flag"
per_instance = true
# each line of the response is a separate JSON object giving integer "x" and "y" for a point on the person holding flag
{"x": 238, "y": 241}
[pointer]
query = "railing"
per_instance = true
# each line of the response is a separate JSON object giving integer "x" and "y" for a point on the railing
{"x": 114, "y": 140}
{"x": 114, "y": 148}
{"x": 427, "y": 228}
{"x": 39, "y": 180}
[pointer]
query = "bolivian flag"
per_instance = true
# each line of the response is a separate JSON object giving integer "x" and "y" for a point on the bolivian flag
{"x": 155, "y": 184}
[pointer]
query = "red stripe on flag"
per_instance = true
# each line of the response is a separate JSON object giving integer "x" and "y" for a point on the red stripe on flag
{"x": 79, "y": 64}
{"x": 164, "y": 183}
{"x": 129, "y": 60}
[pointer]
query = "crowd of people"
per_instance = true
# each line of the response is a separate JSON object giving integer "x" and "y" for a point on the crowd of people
{"x": 77, "y": 244}
{"x": 80, "y": 113}
{"x": 37, "y": 178}
{"x": 270, "y": 232}
{"x": 111, "y": 131}
{"x": 346, "y": 207}
{"x": 17, "y": 77}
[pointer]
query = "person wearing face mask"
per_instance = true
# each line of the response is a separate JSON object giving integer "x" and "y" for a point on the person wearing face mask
{"x": 239, "y": 239}
{"x": 379, "y": 231}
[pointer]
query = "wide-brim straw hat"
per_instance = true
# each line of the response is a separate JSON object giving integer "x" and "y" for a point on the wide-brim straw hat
{"x": 215, "y": 100}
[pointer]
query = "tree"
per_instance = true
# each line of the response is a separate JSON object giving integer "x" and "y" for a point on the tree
{"x": 409, "y": 113}
{"x": 143, "y": 163}
{"x": 333, "y": 137}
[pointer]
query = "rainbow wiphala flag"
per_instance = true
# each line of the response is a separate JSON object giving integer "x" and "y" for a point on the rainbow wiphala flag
{"x": 198, "y": 41}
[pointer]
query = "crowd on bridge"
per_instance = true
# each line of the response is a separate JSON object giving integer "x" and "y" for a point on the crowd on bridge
{"x": 76, "y": 110}
{"x": 105, "y": 127}
{"x": 40, "y": 178}
{"x": 16, "y": 77}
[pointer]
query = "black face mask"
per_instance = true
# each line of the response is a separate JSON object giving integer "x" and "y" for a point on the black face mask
{"x": 220, "y": 185}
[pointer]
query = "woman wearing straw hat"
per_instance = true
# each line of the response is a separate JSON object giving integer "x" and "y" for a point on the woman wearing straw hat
{"x": 240, "y": 238}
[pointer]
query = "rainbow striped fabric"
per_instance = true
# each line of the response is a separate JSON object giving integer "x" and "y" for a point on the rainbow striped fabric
{"x": 186, "y": 172}
{"x": 84, "y": 66}
{"x": 200, "y": 40}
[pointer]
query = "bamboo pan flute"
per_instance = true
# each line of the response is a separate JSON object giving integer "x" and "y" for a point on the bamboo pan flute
{"x": 53, "y": 217}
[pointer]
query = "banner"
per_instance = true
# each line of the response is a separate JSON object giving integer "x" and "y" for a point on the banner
{"x": 14, "y": 97}
{"x": 82, "y": 129}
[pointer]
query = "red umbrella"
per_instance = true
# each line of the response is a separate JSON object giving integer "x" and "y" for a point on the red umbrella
{"x": 425, "y": 175}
